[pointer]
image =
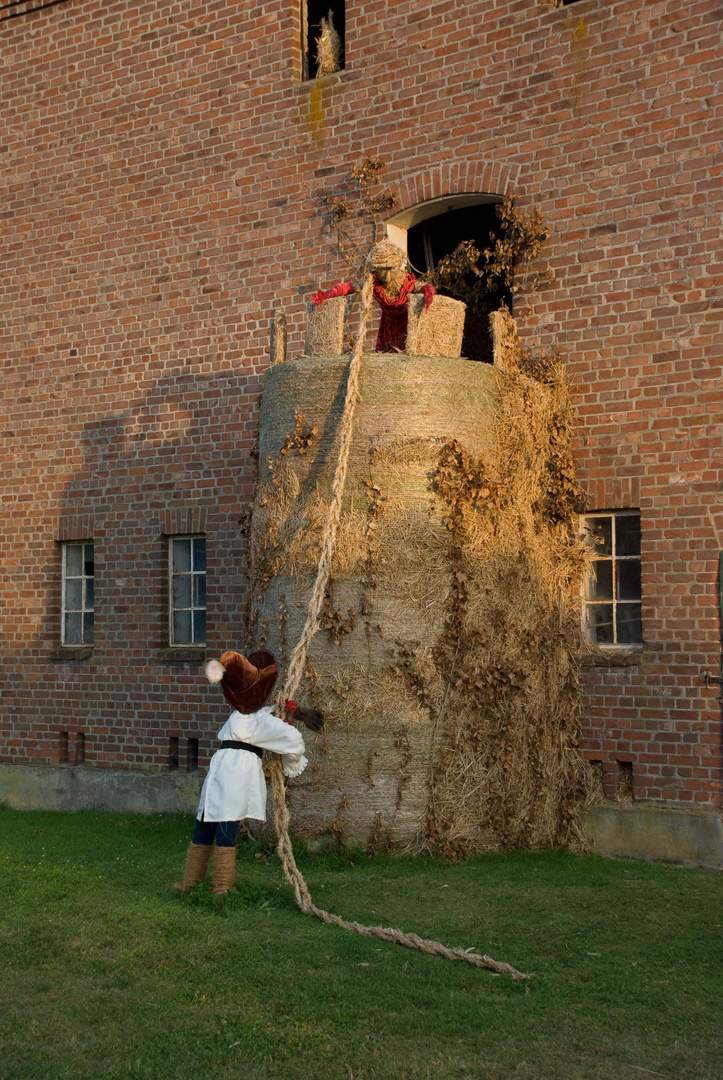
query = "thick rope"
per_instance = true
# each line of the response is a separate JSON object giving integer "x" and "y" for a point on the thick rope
{"x": 297, "y": 665}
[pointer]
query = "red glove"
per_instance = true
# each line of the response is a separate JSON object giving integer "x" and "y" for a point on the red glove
{"x": 344, "y": 288}
{"x": 429, "y": 292}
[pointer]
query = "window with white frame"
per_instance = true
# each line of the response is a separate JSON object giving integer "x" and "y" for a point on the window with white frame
{"x": 78, "y": 603}
{"x": 187, "y": 590}
{"x": 612, "y": 591}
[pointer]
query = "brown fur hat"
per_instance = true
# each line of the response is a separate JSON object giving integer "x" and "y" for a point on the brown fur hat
{"x": 248, "y": 681}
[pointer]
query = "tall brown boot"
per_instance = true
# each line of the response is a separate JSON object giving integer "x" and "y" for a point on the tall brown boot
{"x": 223, "y": 870}
{"x": 197, "y": 858}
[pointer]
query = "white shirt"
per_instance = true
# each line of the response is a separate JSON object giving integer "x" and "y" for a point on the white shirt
{"x": 235, "y": 787}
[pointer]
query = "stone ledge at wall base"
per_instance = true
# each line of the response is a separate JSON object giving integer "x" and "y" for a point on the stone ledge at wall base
{"x": 684, "y": 837}
{"x": 654, "y": 833}
{"x": 123, "y": 791}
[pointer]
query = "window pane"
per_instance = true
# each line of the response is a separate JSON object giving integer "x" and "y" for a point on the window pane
{"x": 627, "y": 534}
{"x": 600, "y": 535}
{"x": 182, "y": 628}
{"x": 199, "y": 590}
{"x": 199, "y": 627}
{"x": 630, "y": 624}
{"x": 199, "y": 553}
{"x": 72, "y": 629}
{"x": 73, "y": 560}
{"x": 89, "y": 560}
{"x": 600, "y": 581}
{"x": 88, "y": 628}
{"x": 73, "y": 594}
{"x": 181, "y": 554}
{"x": 182, "y": 590}
{"x": 89, "y": 594}
{"x": 600, "y": 623}
{"x": 628, "y": 579}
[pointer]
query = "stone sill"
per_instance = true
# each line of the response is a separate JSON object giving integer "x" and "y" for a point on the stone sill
{"x": 71, "y": 654}
{"x": 615, "y": 657}
{"x": 181, "y": 656}
{"x": 335, "y": 79}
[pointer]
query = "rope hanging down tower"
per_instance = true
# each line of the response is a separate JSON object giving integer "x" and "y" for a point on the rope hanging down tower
{"x": 297, "y": 665}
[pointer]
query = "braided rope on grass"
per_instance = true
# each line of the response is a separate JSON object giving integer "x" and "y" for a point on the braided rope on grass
{"x": 297, "y": 665}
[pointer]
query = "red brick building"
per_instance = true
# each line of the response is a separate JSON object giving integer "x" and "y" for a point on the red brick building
{"x": 161, "y": 168}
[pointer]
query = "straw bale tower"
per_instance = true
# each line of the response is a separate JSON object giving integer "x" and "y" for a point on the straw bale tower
{"x": 401, "y": 664}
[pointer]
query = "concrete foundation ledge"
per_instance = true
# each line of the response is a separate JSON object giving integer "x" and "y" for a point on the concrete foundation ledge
{"x": 686, "y": 837}
{"x": 124, "y": 791}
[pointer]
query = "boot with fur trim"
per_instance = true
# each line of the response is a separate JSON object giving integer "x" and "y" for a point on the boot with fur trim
{"x": 223, "y": 870}
{"x": 197, "y": 858}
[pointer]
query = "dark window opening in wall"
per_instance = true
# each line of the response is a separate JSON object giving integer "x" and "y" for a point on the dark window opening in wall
{"x": 612, "y": 590}
{"x": 322, "y": 42}
{"x": 432, "y": 239}
{"x": 192, "y": 755}
{"x": 187, "y": 590}
{"x": 173, "y": 753}
{"x": 63, "y": 748}
{"x": 78, "y": 597}
{"x": 80, "y": 748}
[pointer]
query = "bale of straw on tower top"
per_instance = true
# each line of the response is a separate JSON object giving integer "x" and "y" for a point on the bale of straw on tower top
{"x": 325, "y": 327}
{"x": 437, "y": 331}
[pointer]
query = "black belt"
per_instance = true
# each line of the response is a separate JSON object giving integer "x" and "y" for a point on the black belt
{"x": 229, "y": 744}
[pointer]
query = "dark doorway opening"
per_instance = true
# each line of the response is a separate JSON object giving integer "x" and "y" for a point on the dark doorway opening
{"x": 313, "y": 11}
{"x": 430, "y": 240}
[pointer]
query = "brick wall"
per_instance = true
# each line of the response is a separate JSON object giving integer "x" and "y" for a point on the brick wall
{"x": 160, "y": 166}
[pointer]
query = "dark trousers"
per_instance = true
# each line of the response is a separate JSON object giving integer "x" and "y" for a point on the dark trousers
{"x": 225, "y": 833}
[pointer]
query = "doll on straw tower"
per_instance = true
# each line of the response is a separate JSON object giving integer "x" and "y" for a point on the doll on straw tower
{"x": 235, "y": 787}
{"x": 393, "y": 285}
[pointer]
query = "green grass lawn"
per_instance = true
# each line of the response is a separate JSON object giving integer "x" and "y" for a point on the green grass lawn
{"x": 106, "y": 972}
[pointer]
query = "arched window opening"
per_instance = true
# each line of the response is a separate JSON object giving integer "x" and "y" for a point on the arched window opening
{"x": 434, "y": 230}
{"x": 322, "y": 33}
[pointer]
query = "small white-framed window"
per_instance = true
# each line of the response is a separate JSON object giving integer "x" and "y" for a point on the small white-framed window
{"x": 78, "y": 599}
{"x": 612, "y": 607}
{"x": 187, "y": 590}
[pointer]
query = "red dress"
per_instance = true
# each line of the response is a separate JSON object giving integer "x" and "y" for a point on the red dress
{"x": 392, "y": 336}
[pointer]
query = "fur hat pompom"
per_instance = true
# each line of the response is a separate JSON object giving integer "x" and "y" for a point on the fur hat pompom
{"x": 215, "y": 671}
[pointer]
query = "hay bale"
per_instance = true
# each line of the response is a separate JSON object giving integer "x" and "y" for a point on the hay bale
{"x": 505, "y": 339}
{"x": 446, "y": 662}
{"x": 325, "y": 327}
{"x": 391, "y": 573}
{"x": 437, "y": 332}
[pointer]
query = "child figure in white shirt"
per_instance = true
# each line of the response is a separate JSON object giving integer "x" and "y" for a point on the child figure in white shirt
{"x": 235, "y": 786}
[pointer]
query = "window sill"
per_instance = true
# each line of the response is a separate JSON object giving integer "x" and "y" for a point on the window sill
{"x": 71, "y": 654}
{"x": 180, "y": 655}
{"x": 613, "y": 656}
{"x": 335, "y": 79}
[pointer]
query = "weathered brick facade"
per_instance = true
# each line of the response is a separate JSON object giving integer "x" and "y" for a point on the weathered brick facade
{"x": 161, "y": 165}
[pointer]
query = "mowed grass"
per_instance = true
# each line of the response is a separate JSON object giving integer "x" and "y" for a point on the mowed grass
{"x": 106, "y": 972}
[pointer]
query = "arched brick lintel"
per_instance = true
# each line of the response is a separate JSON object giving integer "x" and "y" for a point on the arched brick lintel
{"x": 457, "y": 178}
